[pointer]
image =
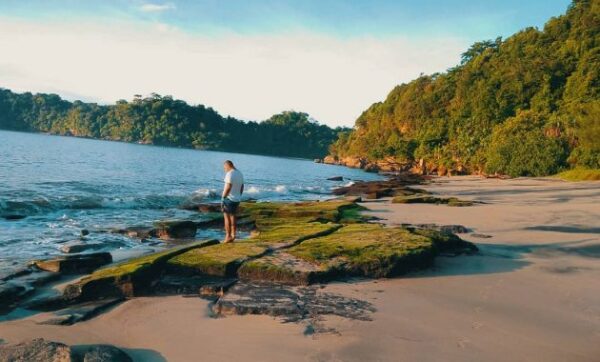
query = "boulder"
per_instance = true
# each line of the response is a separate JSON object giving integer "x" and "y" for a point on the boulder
{"x": 75, "y": 264}
{"x": 142, "y": 232}
{"x": 81, "y": 312}
{"x": 9, "y": 294}
{"x": 318, "y": 160}
{"x": 176, "y": 229}
{"x": 330, "y": 160}
{"x": 85, "y": 232}
{"x": 13, "y": 216}
{"x": 76, "y": 246}
{"x": 335, "y": 178}
{"x": 36, "y": 350}
{"x": 105, "y": 353}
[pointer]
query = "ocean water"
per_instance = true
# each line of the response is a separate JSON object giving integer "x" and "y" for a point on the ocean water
{"x": 64, "y": 184}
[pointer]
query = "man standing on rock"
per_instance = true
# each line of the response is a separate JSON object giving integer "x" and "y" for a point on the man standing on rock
{"x": 230, "y": 201}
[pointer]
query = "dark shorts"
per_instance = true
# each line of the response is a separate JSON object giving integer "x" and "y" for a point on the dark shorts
{"x": 229, "y": 207}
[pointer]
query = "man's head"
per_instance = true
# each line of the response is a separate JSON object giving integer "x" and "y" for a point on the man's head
{"x": 228, "y": 166}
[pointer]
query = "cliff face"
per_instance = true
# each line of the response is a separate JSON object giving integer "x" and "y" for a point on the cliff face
{"x": 526, "y": 105}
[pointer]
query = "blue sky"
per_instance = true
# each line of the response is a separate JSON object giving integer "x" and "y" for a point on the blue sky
{"x": 244, "y": 57}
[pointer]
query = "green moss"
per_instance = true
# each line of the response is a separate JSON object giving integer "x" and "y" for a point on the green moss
{"x": 453, "y": 201}
{"x": 367, "y": 249}
{"x": 580, "y": 174}
{"x": 217, "y": 260}
{"x": 129, "y": 278}
{"x": 428, "y": 199}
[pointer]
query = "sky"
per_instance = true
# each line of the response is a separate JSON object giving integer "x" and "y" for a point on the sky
{"x": 247, "y": 59}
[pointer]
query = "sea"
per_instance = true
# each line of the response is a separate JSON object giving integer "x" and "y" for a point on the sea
{"x": 53, "y": 187}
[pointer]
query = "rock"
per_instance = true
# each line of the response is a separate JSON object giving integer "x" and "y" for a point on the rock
{"x": 85, "y": 232}
{"x": 289, "y": 303}
{"x": 81, "y": 312}
{"x": 13, "y": 216}
{"x": 378, "y": 189}
{"x": 75, "y": 264}
{"x": 36, "y": 350}
{"x": 330, "y": 160}
{"x": 10, "y": 293}
{"x": 105, "y": 353}
{"x": 371, "y": 167}
{"x": 176, "y": 229}
{"x": 131, "y": 278}
{"x": 77, "y": 246}
{"x": 318, "y": 160}
{"x": 447, "y": 229}
{"x": 336, "y": 178}
{"x": 214, "y": 207}
{"x": 142, "y": 232}
{"x": 482, "y": 236}
{"x": 206, "y": 286}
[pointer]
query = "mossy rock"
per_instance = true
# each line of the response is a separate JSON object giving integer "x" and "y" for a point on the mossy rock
{"x": 418, "y": 199}
{"x": 428, "y": 199}
{"x": 331, "y": 210}
{"x": 282, "y": 267}
{"x": 217, "y": 260}
{"x": 370, "y": 250}
{"x": 281, "y": 233}
{"x": 455, "y": 202}
{"x": 127, "y": 279}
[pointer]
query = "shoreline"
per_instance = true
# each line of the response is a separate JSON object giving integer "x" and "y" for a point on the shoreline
{"x": 543, "y": 245}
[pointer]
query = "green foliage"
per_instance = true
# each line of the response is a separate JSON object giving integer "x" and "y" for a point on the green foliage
{"x": 519, "y": 147}
{"x": 580, "y": 174}
{"x": 458, "y": 118}
{"x": 162, "y": 120}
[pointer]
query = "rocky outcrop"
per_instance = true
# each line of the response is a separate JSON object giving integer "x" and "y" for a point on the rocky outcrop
{"x": 176, "y": 229}
{"x": 36, "y": 350}
{"x": 75, "y": 264}
{"x": 420, "y": 198}
{"x": 40, "y": 350}
{"x": 128, "y": 279}
{"x": 395, "y": 185}
{"x": 76, "y": 246}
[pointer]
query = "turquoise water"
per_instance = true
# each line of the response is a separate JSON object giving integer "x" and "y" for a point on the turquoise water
{"x": 65, "y": 184}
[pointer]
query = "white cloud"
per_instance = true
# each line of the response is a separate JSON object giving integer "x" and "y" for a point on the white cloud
{"x": 156, "y": 8}
{"x": 246, "y": 76}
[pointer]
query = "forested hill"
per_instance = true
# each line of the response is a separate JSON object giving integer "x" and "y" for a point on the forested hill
{"x": 526, "y": 105}
{"x": 165, "y": 121}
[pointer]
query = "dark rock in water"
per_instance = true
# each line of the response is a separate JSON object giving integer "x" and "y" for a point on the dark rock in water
{"x": 482, "y": 236}
{"x": 142, "y": 232}
{"x": 209, "y": 207}
{"x": 13, "y": 216}
{"x": 75, "y": 264}
{"x": 81, "y": 312}
{"x": 318, "y": 160}
{"x": 176, "y": 229}
{"x": 105, "y": 353}
{"x": 378, "y": 189}
{"x": 77, "y": 246}
{"x": 36, "y": 350}
{"x": 336, "y": 178}
{"x": 85, "y": 232}
{"x": 10, "y": 293}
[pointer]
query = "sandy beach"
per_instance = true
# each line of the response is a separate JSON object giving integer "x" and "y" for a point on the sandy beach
{"x": 531, "y": 294}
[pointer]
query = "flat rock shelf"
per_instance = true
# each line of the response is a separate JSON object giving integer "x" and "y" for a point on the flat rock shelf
{"x": 292, "y": 247}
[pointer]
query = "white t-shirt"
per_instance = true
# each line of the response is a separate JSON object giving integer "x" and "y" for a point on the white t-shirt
{"x": 236, "y": 179}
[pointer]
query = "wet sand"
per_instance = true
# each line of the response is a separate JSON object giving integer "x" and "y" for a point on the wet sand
{"x": 533, "y": 294}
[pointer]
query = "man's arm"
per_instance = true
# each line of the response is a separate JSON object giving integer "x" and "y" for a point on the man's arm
{"x": 226, "y": 190}
{"x": 242, "y": 190}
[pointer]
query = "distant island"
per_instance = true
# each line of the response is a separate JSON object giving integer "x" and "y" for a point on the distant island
{"x": 528, "y": 105}
{"x": 162, "y": 120}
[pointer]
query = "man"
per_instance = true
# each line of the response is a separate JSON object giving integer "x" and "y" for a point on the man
{"x": 230, "y": 201}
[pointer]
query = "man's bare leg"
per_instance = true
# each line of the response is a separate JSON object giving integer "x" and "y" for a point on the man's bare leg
{"x": 227, "y": 228}
{"x": 233, "y": 226}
